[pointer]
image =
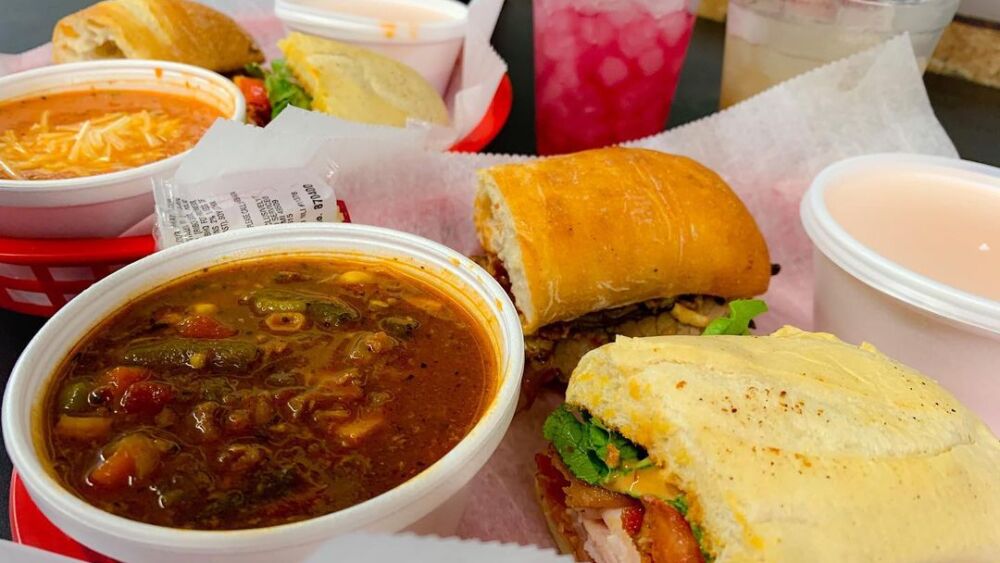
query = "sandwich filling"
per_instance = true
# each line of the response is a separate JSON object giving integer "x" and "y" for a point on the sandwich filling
{"x": 552, "y": 353}
{"x": 606, "y": 501}
{"x": 268, "y": 91}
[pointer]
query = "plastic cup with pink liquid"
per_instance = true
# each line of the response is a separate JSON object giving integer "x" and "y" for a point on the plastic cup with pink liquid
{"x": 606, "y": 70}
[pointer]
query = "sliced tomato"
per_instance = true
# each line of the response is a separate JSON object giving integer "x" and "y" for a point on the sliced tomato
{"x": 632, "y": 519}
{"x": 258, "y": 106}
{"x": 253, "y": 90}
{"x": 203, "y": 326}
{"x": 118, "y": 379}
{"x": 667, "y": 534}
{"x": 146, "y": 397}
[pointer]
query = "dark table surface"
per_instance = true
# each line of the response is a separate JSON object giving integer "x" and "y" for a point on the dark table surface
{"x": 970, "y": 114}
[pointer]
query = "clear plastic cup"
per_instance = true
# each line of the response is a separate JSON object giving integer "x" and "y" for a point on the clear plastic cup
{"x": 606, "y": 70}
{"x": 770, "y": 41}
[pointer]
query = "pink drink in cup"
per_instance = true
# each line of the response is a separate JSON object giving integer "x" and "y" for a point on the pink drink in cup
{"x": 606, "y": 70}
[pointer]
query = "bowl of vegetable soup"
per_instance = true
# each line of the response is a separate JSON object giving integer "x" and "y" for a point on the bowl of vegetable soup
{"x": 246, "y": 396}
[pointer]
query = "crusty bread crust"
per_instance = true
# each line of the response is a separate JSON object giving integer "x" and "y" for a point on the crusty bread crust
{"x": 167, "y": 30}
{"x": 358, "y": 84}
{"x": 611, "y": 227}
{"x": 800, "y": 447}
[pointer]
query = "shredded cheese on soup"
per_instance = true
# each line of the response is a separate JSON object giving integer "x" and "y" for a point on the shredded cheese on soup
{"x": 59, "y": 144}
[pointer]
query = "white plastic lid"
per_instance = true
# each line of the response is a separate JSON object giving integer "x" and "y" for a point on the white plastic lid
{"x": 879, "y": 272}
{"x": 377, "y": 20}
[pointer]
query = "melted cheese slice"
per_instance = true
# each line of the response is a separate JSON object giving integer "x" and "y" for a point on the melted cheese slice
{"x": 650, "y": 481}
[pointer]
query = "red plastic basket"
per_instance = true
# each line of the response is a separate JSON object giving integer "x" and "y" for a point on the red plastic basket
{"x": 38, "y": 276}
{"x": 28, "y": 526}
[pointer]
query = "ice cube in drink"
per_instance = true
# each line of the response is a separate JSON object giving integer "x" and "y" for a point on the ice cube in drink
{"x": 606, "y": 70}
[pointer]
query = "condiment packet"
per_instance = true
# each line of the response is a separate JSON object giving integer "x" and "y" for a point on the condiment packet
{"x": 239, "y": 176}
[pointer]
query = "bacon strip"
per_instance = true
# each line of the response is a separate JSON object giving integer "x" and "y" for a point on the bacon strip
{"x": 549, "y": 483}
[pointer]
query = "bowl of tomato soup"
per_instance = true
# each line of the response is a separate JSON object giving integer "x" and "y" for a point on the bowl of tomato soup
{"x": 907, "y": 257}
{"x": 80, "y": 142}
{"x": 246, "y": 396}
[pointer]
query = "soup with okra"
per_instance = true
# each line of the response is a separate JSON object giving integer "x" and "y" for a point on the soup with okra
{"x": 265, "y": 392}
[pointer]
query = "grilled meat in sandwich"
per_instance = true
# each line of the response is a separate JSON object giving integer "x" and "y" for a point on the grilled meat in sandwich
{"x": 783, "y": 448}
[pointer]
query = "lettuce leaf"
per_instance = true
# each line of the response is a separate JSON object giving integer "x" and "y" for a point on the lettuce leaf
{"x": 699, "y": 536}
{"x": 741, "y": 313}
{"x": 680, "y": 504}
{"x": 253, "y": 70}
{"x": 283, "y": 90}
{"x": 583, "y": 444}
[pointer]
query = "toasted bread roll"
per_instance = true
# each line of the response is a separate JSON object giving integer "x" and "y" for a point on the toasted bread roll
{"x": 360, "y": 85}
{"x": 167, "y": 30}
{"x": 800, "y": 447}
{"x": 610, "y": 227}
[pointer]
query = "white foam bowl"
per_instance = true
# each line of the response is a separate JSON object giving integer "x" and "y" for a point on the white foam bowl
{"x": 104, "y": 205}
{"x": 429, "y": 502}
{"x": 430, "y": 48}
{"x": 949, "y": 334}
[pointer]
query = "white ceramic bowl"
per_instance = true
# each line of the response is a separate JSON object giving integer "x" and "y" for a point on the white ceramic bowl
{"x": 410, "y": 505}
{"x": 949, "y": 334}
{"x": 430, "y": 48}
{"x": 104, "y": 205}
